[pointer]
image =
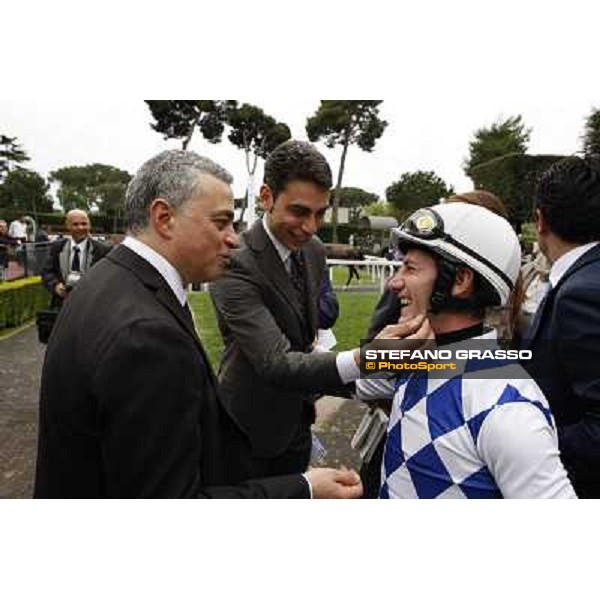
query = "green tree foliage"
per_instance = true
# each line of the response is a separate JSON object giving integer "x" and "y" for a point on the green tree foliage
{"x": 379, "y": 209}
{"x": 345, "y": 122}
{"x": 508, "y": 136}
{"x": 178, "y": 119}
{"x": 354, "y": 199}
{"x": 513, "y": 178}
{"x": 86, "y": 186}
{"x": 11, "y": 154}
{"x": 25, "y": 191}
{"x": 591, "y": 135}
{"x": 416, "y": 190}
{"x": 256, "y": 133}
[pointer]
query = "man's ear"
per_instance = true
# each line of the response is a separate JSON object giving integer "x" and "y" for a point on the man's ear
{"x": 266, "y": 198}
{"x": 540, "y": 222}
{"x": 161, "y": 217}
{"x": 464, "y": 283}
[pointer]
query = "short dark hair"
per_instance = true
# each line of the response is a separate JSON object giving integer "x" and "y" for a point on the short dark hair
{"x": 296, "y": 161}
{"x": 568, "y": 196}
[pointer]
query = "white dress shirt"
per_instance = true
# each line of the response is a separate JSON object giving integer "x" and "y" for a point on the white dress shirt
{"x": 566, "y": 261}
{"x": 161, "y": 264}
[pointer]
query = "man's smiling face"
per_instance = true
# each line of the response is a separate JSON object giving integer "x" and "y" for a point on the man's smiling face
{"x": 413, "y": 283}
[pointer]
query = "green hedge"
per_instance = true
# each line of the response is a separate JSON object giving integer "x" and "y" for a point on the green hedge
{"x": 513, "y": 178}
{"x": 20, "y": 300}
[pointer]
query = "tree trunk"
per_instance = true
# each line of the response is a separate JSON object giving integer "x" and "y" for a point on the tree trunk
{"x": 336, "y": 193}
{"x": 188, "y": 139}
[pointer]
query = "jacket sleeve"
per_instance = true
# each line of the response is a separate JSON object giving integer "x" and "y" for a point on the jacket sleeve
{"x": 151, "y": 390}
{"x": 578, "y": 339}
{"x": 329, "y": 308}
{"x": 238, "y": 300}
{"x": 51, "y": 274}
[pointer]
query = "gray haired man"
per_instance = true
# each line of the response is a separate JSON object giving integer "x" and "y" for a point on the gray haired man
{"x": 129, "y": 405}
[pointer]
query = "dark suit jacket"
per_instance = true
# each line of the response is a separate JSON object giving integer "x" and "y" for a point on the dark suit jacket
{"x": 129, "y": 405}
{"x": 267, "y": 372}
{"x": 565, "y": 341}
{"x": 58, "y": 264}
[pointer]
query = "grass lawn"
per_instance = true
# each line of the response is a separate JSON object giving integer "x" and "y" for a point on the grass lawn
{"x": 340, "y": 276}
{"x": 355, "y": 312}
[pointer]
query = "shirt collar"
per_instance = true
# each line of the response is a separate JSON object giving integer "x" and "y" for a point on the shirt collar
{"x": 283, "y": 251}
{"x": 566, "y": 261}
{"x": 82, "y": 245}
{"x": 161, "y": 264}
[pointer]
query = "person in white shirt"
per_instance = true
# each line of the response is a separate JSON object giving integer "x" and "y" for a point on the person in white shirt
{"x": 18, "y": 229}
{"x": 69, "y": 258}
{"x": 484, "y": 429}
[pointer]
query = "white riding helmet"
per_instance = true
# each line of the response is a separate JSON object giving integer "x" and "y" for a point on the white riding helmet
{"x": 469, "y": 234}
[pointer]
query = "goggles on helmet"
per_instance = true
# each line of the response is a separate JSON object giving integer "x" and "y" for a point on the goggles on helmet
{"x": 427, "y": 225}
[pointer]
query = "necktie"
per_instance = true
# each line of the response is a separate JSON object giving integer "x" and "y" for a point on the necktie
{"x": 297, "y": 273}
{"x": 76, "y": 265}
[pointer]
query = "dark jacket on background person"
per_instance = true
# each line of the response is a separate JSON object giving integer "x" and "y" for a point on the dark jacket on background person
{"x": 129, "y": 405}
{"x": 58, "y": 264}
{"x": 564, "y": 338}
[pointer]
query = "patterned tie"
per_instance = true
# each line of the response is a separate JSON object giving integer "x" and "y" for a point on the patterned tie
{"x": 76, "y": 265}
{"x": 297, "y": 274}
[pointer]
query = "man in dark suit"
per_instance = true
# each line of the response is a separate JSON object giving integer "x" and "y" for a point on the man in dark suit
{"x": 564, "y": 336}
{"x": 268, "y": 316}
{"x": 129, "y": 405}
{"x": 69, "y": 258}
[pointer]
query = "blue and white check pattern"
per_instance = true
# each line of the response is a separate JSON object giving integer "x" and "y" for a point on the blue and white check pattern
{"x": 431, "y": 449}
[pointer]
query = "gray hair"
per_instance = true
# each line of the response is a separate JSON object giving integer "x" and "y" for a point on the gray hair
{"x": 174, "y": 175}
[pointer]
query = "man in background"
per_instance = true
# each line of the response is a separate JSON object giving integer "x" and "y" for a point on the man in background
{"x": 564, "y": 335}
{"x": 69, "y": 258}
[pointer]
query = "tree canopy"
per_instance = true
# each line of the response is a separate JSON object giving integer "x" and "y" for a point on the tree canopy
{"x": 91, "y": 185}
{"x": 11, "y": 154}
{"x": 354, "y": 199}
{"x": 345, "y": 122}
{"x": 508, "y": 136}
{"x": 178, "y": 119}
{"x": 591, "y": 135}
{"x": 416, "y": 190}
{"x": 255, "y": 132}
{"x": 25, "y": 191}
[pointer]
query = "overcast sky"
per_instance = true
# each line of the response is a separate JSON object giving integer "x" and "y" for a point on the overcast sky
{"x": 443, "y": 69}
{"x": 424, "y": 132}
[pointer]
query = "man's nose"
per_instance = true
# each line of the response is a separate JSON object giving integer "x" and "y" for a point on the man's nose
{"x": 309, "y": 225}
{"x": 231, "y": 238}
{"x": 396, "y": 283}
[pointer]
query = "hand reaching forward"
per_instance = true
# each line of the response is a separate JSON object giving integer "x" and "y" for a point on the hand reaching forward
{"x": 335, "y": 483}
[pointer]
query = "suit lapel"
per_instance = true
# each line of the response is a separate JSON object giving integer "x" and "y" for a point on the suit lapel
{"x": 154, "y": 281}
{"x": 592, "y": 255}
{"x": 269, "y": 263}
{"x": 64, "y": 259}
{"x": 89, "y": 254}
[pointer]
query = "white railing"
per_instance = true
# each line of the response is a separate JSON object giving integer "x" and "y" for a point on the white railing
{"x": 377, "y": 268}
